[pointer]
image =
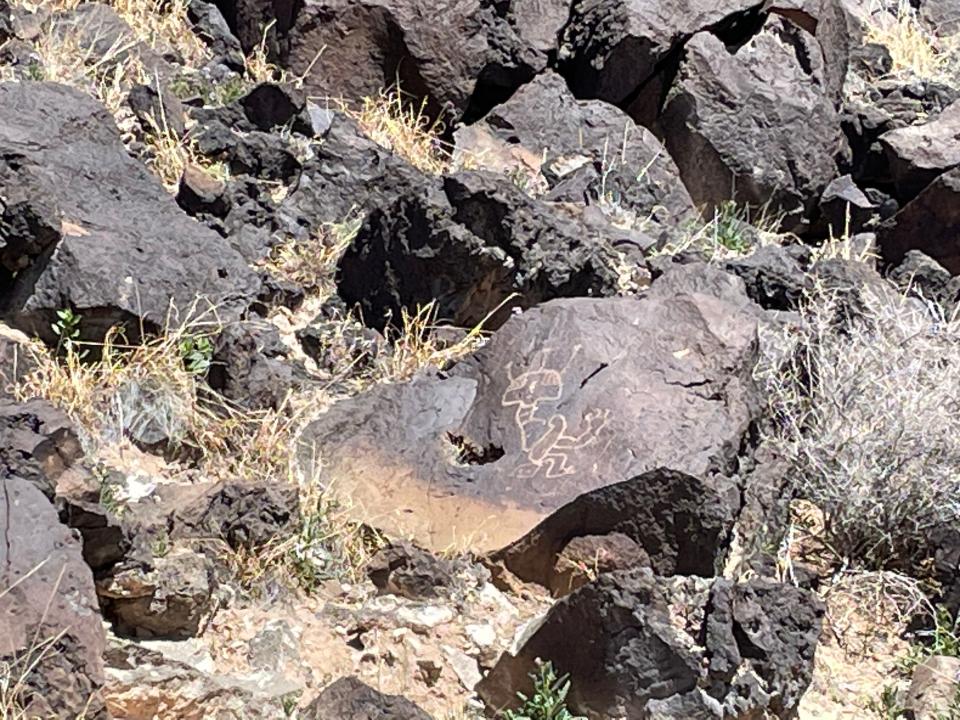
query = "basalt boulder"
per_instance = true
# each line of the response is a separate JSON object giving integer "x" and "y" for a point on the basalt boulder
{"x": 462, "y": 56}
{"x": 567, "y": 400}
{"x": 115, "y": 256}
{"x": 50, "y": 625}
{"x": 755, "y": 125}
{"x": 919, "y": 153}
{"x": 477, "y": 249}
{"x": 929, "y": 223}
{"x": 349, "y": 697}
{"x": 638, "y": 646}
{"x": 588, "y": 151}
{"x": 613, "y": 50}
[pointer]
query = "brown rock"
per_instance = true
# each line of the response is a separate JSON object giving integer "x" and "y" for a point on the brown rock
{"x": 587, "y": 556}
{"x": 935, "y": 684}
{"x": 565, "y": 400}
{"x": 166, "y": 597}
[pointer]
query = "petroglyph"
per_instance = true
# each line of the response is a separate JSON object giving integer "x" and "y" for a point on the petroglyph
{"x": 545, "y": 436}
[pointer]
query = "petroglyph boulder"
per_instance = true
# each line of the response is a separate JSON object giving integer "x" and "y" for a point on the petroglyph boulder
{"x": 567, "y": 401}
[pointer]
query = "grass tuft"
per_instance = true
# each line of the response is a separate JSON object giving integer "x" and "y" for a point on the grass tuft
{"x": 404, "y": 128}
{"x": 917, "y": 53}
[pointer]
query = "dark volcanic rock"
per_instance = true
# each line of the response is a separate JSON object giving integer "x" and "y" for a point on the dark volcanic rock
{"x": 249, "y": 366}
{"x": 121, "y": 255}
{"x": 929, "y": 223}
{"x": 401, "y": 568}
{"x": 919, "y": 153}
{"x": 158, "y": 110}
{"x": 756, "y": 125}
{"x": 681, "y": 523}
{"x": 631, "y": 167}
{"x": 244, "y": 515}
{"x": 566, "y": 399}
{"x": 348, "y": 174}
{"x": 611, "y": 49}
{"x": 211, "y": 27}
{"x": 774, "y": 277}
{"x": 16, "y": 361}
{"x": 48, "y": 608}
{"x": 924, "y": 276}
{"x": 471, "y": 249}
{"x": 844, "y": 208}
{"x": 462, "y": 55}
{"x": 166, "y": 596}
{"x": 348, "y": 697}
{"x": 638, "y": 646}
{"x": 37, "y": 443}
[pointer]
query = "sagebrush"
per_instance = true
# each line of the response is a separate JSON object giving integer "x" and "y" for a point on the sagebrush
{"x": 865, "y": 401}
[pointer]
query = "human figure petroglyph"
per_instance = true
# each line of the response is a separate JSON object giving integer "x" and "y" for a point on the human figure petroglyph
{"x": 545, "y": 436}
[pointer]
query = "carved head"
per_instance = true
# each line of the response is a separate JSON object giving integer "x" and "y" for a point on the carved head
{"x": 533, "y": 387}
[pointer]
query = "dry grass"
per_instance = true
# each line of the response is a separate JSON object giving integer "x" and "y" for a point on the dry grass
{"x": 403, "y": 127}
{"x": 733, "y": 231}
{"x": 161, "y": 24}
{"x": 917, "y": 53}
{"x": 415, "y": 345}
{"x": 865, "y": 410}
{"x": 168, "y": 155}
{"x": 312, "y": 263}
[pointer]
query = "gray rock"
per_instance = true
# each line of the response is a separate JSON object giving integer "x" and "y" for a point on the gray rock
{"x": 50, "y": 623}
{"x": 631, "y": 167}
{"x": 120, "y": 257}
{"x": 919, "y": 153}
{"x": 348, "y": 697}
{"x": 756, "y": 126}
{"x": 638, "y": 646}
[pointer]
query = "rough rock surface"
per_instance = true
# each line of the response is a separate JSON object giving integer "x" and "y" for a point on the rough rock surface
{"x": 144, "y": 684}
{"x": 919, "y": 153}
{"x": 592, "y": 152}
{"x": 928, "y": 223}
{"x": 37, "y": 443}
{"x": 471, "y": 249}
{"x": 48, "y": 608}
{"x": 244, "y": 515}
{"x": 167, "y": 596}
{"x": 350, "y": 698}
{"x": 756, "y": 125}
{"x": 638, "y": 646}
{"x": 611, "y": 49}
{"x": 112, "y": 256}
{"x": 462, "y": 55}
{"x": 566, "y": 399}
{"x": 933, "y": 688}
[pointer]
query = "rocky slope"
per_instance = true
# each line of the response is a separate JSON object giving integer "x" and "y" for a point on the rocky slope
{"x": 360, "y": 357}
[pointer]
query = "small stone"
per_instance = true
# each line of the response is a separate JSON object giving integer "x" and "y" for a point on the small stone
{"x": 429, "y": 672}
{"x": 935, "y": 684}
{"x": 425, "y": 618}
{"x": 464, "y": 666}
{"x": 483, "y": 636}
